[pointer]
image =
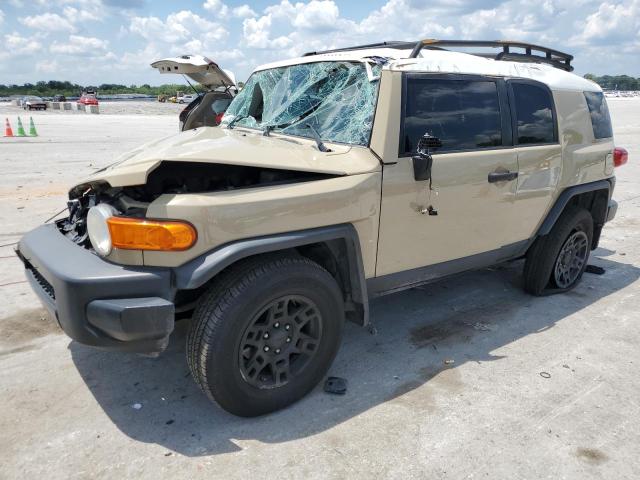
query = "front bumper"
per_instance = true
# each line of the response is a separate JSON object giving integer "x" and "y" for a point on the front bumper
{"x": 95, "y": 302}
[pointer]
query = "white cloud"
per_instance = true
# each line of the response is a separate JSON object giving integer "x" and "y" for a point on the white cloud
{"x": 51, "y": 22}
{"x": 180, "y": 33}
{"x": 180, "y": 28}
{"x": 300, "y": 26}
{"x": 127, "y": 4}
{"x": 318, "y": 25}
{"x": 216, "y": 7}
{"x": 612, "y": 23}
{"x": 316, "y": 15}
{"x": 78, "y": 45}
{"x": 257, "y": 33}
{"x": 47, "y": 66}
{"x": 403, "y": 19}
{"x": 243, "y": 11}
{"x": 83, "y": 15}
{"x": 17, "y": 44}
{"x": 602, "y": 34}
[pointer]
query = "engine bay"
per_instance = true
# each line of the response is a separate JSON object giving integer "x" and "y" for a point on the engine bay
{"x": 170, "y": 177}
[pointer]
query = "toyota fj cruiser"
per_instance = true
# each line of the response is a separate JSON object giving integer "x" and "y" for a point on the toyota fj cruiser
{"x": 334, "y": 178}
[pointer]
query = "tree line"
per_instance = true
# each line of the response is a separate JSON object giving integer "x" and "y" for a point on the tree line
{"x": 615, "y": 82}
{"x": 54, "y": 87}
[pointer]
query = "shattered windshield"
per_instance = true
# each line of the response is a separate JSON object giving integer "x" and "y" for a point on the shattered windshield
{"x": 337, "y": 99}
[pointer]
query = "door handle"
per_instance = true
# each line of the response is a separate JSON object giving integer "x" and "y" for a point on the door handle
{"x": 502, "y": 176}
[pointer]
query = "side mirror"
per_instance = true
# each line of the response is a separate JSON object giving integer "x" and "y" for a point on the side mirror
{"x": 422, "y": 160}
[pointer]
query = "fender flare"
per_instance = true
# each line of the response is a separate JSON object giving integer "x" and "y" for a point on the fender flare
{"x": 565, "y": 197}
{"x": 200, "y": 270}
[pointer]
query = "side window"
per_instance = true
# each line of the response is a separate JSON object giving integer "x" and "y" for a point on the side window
{"x": 220, "y": 105}
{"x": 599, "y": 111}
{"x": 535, "y": 122}
{"x": 463, "y": 114}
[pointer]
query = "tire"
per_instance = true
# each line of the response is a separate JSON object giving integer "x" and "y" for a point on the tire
{"x": 229, "y": 324}
{"x": 543, "y": 258}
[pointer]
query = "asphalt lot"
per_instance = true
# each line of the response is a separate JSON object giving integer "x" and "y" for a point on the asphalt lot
{"x": 68, "y": 411}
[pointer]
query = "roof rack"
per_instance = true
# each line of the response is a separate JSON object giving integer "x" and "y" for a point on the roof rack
{"x": 531, "y": 53}
{"x": 392, "y": 44}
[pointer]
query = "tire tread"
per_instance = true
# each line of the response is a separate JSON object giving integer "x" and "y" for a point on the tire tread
{"x": 209, "y": 314}
{"x": 541, "y": 257}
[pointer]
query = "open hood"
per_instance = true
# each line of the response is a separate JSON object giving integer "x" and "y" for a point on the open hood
{"x": 199, "y": 69}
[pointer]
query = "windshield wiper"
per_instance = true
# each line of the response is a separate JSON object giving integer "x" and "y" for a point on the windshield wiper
{"x": 234, "y": 120}
{"x": 316, "y": 137}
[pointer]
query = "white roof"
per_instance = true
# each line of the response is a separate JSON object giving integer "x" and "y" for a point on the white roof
{"x": 444, "y": 61}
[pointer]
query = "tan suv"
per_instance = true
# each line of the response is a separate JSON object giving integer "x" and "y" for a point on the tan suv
{"x": 334, "y": 178}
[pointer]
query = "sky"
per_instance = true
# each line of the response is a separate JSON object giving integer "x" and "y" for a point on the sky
{"x": 91, "y": 42}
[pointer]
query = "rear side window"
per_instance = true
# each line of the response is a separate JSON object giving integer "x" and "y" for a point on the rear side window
{"x": 599, "y": 111}
{"x": 220, "y": 105}
{"x": 535, "y": 123}
{"x": 463, "y": 114}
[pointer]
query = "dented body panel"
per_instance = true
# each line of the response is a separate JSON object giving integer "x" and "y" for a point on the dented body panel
{"x": 237, "y": 147}
{"x": 222, "y": 217}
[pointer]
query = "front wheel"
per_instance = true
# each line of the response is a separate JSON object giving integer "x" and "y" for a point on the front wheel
{"x": 265, "y": 334}
{"x": 555, "y": 263}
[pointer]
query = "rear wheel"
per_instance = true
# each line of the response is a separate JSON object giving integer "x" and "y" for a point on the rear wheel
{"x": 265, "y": 334}
{"x": 555, "y": 263}
{"x": 571, "y": 260}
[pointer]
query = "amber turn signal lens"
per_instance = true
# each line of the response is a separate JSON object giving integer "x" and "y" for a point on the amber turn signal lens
{"x": 144, "y": 234}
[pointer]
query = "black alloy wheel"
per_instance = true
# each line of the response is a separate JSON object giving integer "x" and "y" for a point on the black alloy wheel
{"x": 280, "y": 341}
{"x": 571, "y": 259}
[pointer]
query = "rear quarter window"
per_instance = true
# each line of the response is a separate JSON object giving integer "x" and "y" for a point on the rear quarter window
{"x": 600, "y": 119}
{"x": 220, "y": 105}
{"x": 534, "y": 113}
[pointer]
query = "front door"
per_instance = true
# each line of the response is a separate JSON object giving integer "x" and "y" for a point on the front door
{"x": 469, "y": 205}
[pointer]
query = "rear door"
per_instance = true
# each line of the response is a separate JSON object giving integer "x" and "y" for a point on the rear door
{"x": 470, "y": 212}
{"x": 204, "y": 109}
{"x": 535, "y": 127}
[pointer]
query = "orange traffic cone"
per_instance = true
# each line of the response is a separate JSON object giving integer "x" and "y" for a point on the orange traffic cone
{"x": 8, "y": 132}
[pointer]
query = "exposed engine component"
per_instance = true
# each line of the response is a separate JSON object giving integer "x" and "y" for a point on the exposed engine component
{"x": 181, "y": 177}
{"x": 169, "y": 178}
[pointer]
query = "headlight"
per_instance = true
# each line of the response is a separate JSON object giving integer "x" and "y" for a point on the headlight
{"x": 98, "y": 229}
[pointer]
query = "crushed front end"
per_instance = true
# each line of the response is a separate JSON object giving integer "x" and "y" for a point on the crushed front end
{"x": 96, "y": 302}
